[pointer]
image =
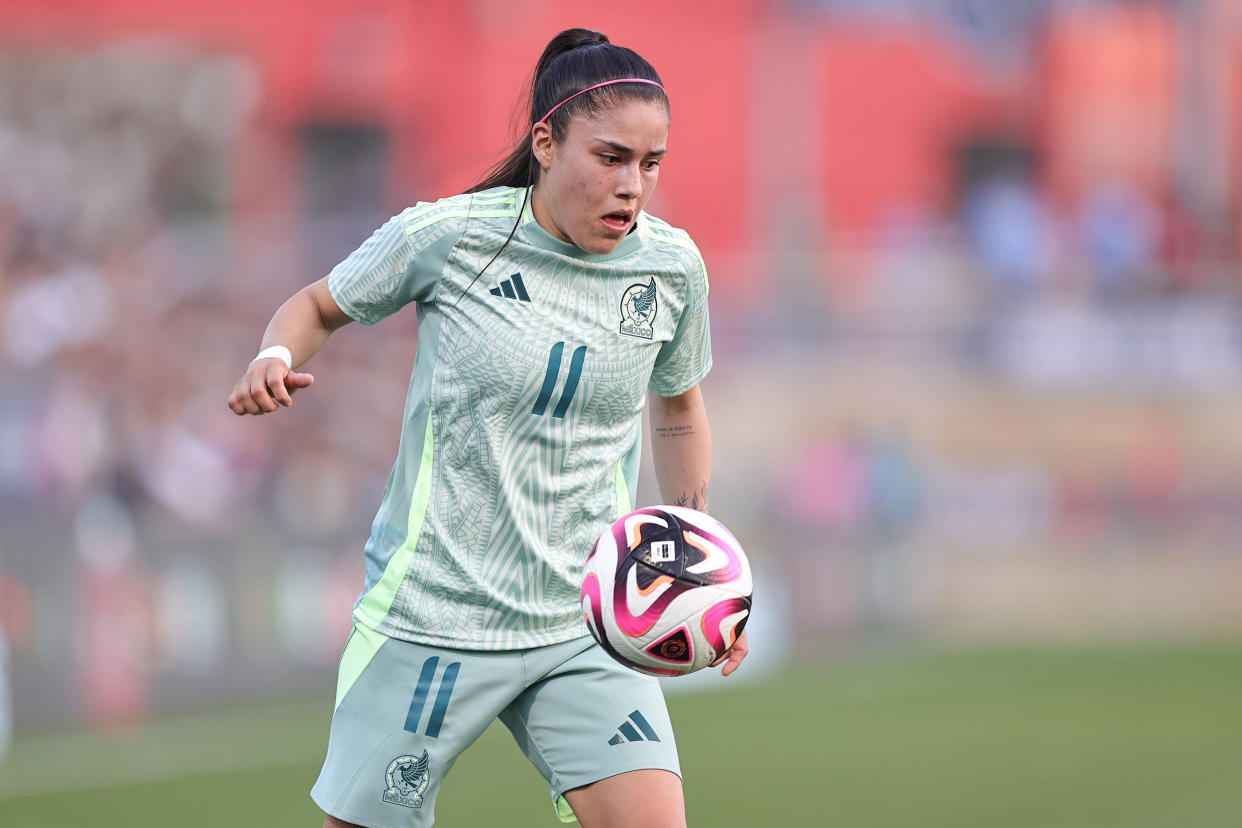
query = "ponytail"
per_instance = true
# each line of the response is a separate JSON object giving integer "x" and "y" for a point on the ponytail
{"x": 574, "y": 60}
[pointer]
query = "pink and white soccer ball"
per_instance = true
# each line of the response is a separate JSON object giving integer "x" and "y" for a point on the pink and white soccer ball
{"x": 667, "y": 590}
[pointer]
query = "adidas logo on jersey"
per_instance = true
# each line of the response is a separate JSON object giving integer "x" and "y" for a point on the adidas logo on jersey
{"x": 512, "y": 288}
{"x": 627, "y": 732}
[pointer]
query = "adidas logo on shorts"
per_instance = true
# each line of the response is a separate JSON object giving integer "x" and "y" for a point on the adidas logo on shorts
{"x": 634, "y": 729}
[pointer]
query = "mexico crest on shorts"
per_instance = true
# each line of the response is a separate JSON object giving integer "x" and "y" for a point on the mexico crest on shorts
{"x": 407, "y": 779}
{"x": 638, "y": 310}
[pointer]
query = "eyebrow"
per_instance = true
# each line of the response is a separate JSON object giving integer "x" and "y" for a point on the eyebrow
{"x": 624, "y": 150}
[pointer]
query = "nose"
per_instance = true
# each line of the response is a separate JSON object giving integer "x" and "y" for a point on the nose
{"x": 629, "y": 181}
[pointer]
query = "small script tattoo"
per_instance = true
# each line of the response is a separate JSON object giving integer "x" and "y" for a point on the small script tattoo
{"x": 695, "y": 500}
{"x": 675, "y": 431}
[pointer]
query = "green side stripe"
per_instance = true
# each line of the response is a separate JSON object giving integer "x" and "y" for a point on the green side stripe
{"x": 411, "y": 229}
{"x": 377, "y": 602}
{"x": 479, "y": 198}
{"x": 679, "y": 239}
{"x": 427, "y": 210}
{"x": 624, "y": 507}
{"x": 563, "y": 812}
{"x": 362, "y": 646}
{"x": 419, "y": 210}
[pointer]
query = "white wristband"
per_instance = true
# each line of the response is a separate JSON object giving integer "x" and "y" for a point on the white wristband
{"x": 278, "y": 352}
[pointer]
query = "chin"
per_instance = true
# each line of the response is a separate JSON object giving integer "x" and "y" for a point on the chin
{"x": 598, "y": 246}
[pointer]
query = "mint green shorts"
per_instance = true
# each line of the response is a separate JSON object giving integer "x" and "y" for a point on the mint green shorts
{"x": 406, "y": 711}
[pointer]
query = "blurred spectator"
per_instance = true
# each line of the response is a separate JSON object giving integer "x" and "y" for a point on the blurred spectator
{"x": 1012, "y": 232}
{"x": 1121, "y": 231}
{"x": 6, "y": 703}
{"x": 113, "y": 651}
{"x": 15, "y": 622}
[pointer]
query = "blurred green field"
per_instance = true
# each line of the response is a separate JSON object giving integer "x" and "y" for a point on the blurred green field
{"x": 1132, "y": 738}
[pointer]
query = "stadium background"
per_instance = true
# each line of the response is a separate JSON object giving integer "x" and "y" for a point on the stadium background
{"x": 976, "y": 404}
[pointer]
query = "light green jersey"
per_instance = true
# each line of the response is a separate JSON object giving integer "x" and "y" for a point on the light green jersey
{"x": 522, "y": 428}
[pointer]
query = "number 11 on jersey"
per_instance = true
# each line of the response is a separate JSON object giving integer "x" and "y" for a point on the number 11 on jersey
{"x": 553, "y": 373}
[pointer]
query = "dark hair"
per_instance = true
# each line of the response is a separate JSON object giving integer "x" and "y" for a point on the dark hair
{"x": 572, "y": 61}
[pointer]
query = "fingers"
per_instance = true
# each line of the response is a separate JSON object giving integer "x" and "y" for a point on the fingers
{"x": 260, "y": 392}
{"x": 241, "y": 401}
{"x": 274, "y": 384}
{"x": 735, "y": 661}
{"x": 733, "y": 658}
{"x": 266, "y": 386}
{"x": 295, "y": 381}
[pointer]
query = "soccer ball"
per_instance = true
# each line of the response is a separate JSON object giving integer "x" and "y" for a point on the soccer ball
{"x": 667, "y": 590}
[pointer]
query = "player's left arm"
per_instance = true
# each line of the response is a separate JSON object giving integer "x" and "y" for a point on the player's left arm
{"x": 681, "y": 446}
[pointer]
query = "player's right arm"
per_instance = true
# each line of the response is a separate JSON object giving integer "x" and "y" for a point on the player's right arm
{"x": 302, "y": 324}
{"x": 400, "y": 263}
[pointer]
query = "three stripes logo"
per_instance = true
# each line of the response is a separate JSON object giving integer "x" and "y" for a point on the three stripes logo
{"x": 634, "y": 729}
{"x": 512, "y": 288}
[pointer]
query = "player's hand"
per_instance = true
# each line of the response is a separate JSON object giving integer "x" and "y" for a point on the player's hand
{"x": 266, "y": 385}
{"x": 733, "y": 658}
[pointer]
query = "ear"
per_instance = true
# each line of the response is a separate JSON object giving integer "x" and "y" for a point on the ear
{"x": 542, "y": 144}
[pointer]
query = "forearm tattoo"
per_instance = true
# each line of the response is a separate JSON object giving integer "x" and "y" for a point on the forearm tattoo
{"x": 675, "y": 431}
{"x": 695, "y": 500}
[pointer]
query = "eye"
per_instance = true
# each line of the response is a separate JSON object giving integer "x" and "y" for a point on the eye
{"x": 611, "y": 159}
{"x": 651, "y": 164}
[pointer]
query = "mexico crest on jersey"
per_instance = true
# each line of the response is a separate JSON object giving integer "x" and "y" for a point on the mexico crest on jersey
{"x": 407, "y": 779}
{"x": 638, "y": 310}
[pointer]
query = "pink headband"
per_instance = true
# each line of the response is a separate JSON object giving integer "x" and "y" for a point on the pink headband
{"x": 597, "y": 86}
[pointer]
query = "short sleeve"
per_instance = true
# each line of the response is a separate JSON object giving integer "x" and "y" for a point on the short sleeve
{"x": 391, "y": 269}
{"x": 685, "y": 359}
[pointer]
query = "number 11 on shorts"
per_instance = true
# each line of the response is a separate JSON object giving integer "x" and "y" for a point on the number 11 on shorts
{"x": 423, "y": 690}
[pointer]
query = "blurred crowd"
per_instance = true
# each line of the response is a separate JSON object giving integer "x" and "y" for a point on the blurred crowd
{"x": 130, "y": 492}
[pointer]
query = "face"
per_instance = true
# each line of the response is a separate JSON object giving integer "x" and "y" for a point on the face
{"x": 595, "y": 182}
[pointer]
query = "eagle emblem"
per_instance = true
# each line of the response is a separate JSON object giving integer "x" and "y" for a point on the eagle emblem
{"x": 638, "y": 310}
{"x": 407, "y": 779}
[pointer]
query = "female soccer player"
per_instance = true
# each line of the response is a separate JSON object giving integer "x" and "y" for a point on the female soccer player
{"x": 549, "y": 305}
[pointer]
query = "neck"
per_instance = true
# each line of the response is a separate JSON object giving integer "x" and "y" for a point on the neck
{"x": 539, "y": 209}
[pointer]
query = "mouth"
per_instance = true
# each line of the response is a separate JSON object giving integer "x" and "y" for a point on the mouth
{"x": 618, "y": 221}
